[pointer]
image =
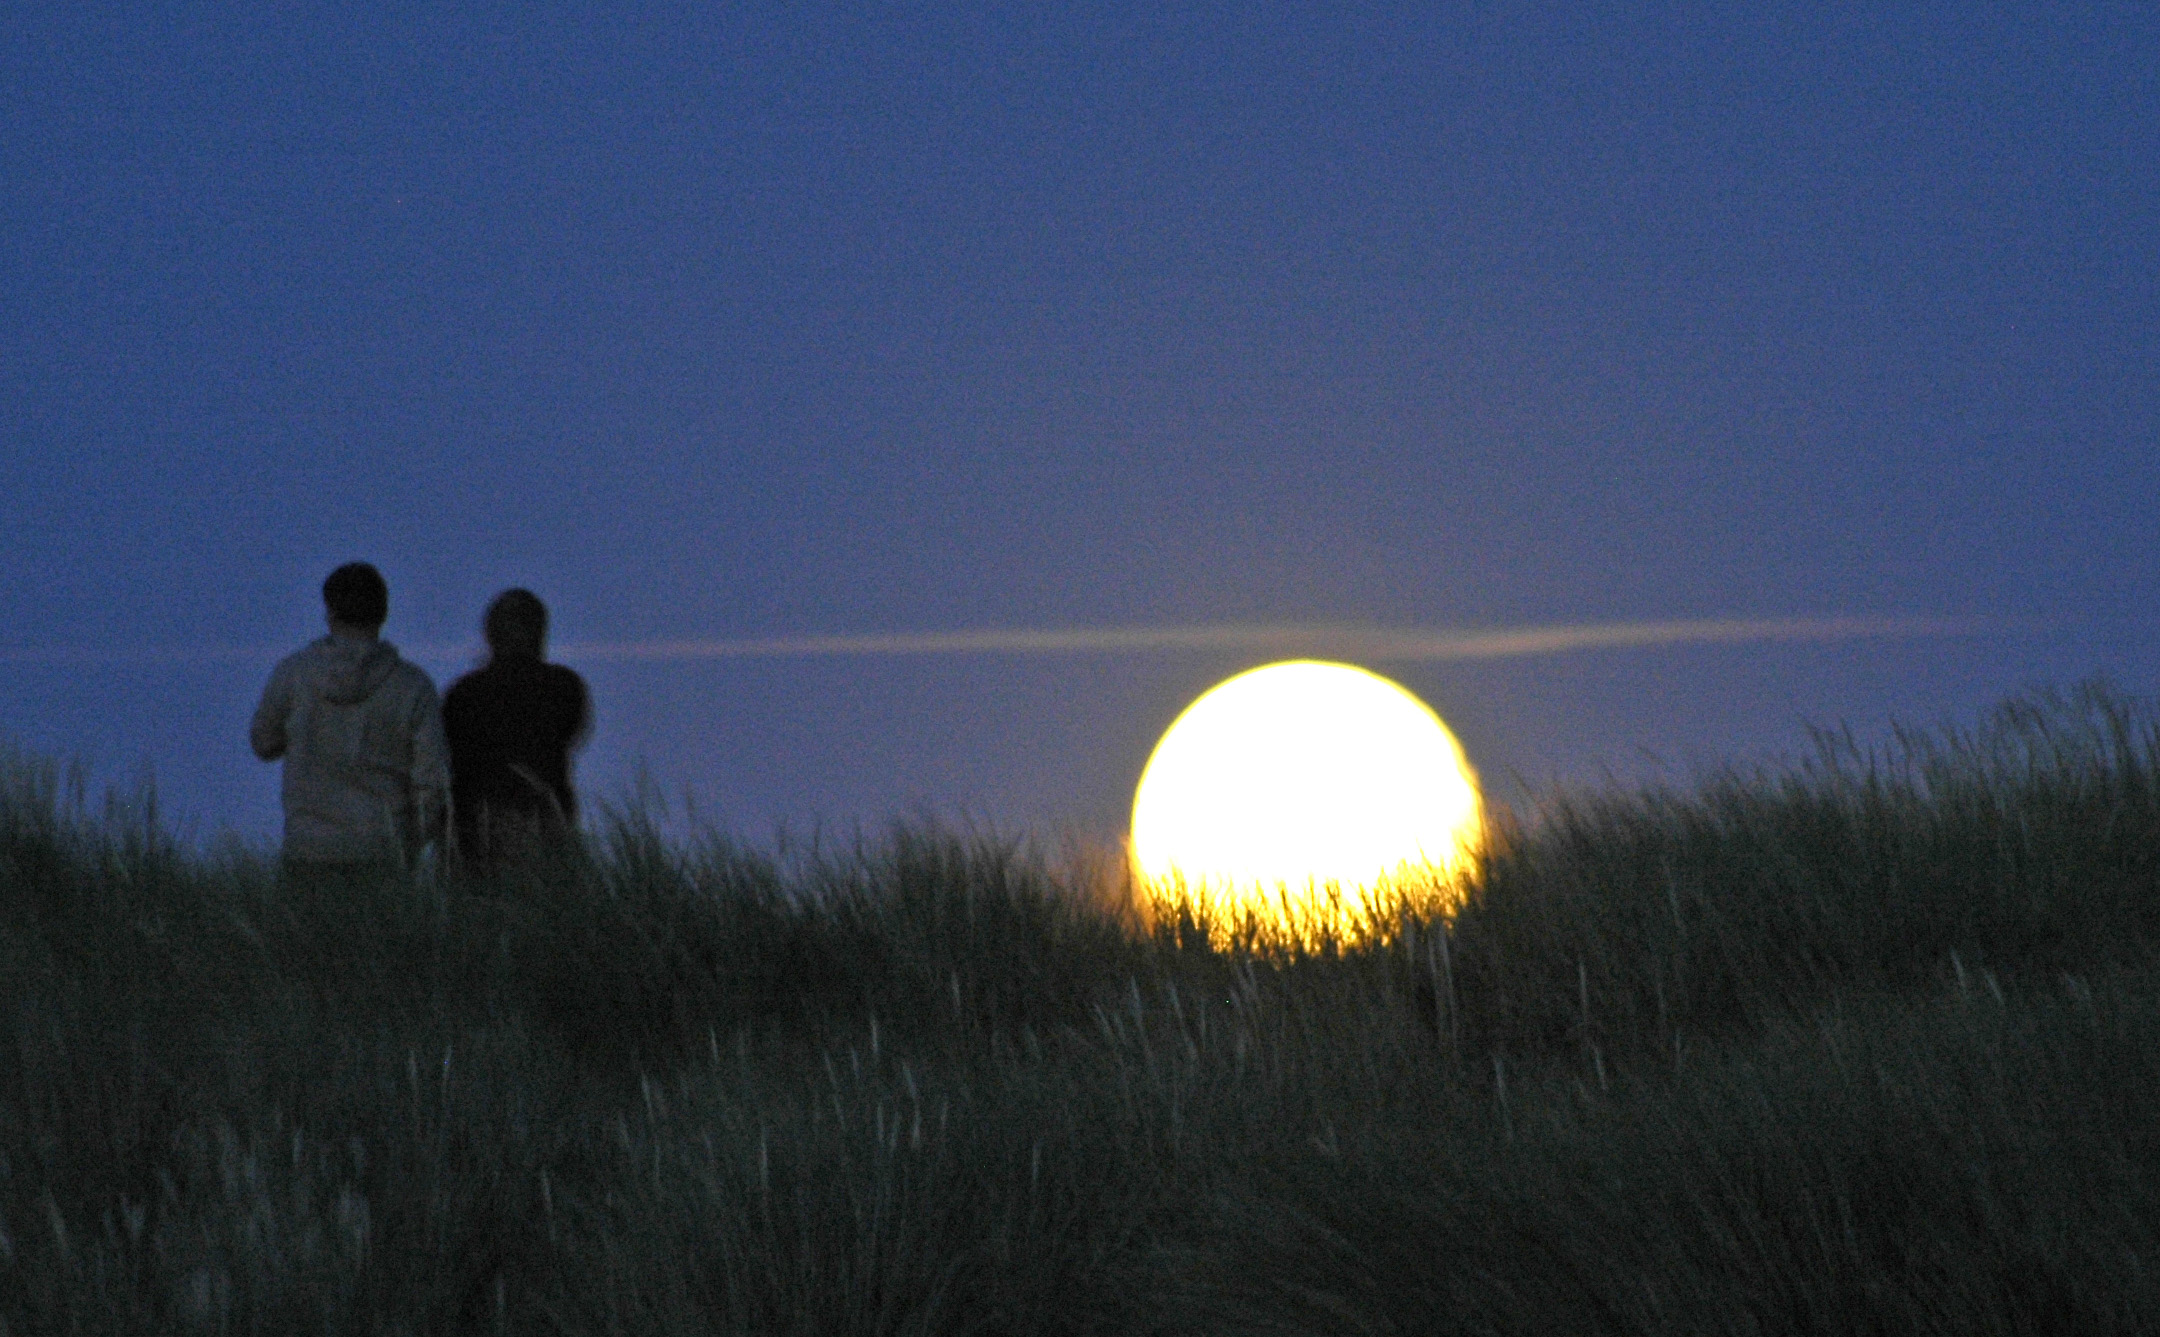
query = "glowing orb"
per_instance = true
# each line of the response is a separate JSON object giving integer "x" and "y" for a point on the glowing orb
{"x": 1295, "y": 791}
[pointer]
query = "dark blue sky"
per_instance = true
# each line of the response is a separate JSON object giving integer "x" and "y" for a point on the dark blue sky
{"x": 720, "y": 321}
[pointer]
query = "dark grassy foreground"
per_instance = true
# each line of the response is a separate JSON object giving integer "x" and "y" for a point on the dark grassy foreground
{"x": 1870, "y": 1045}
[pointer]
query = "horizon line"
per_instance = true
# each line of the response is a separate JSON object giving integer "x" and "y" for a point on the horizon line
{"x": 1380, "y": 644}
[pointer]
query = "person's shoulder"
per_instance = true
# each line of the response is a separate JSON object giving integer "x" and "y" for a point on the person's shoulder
{"x": 567, "y": 686}
{"x": 286, "y": 676}
{"x": 412, "y": 677}
{"x": 466, "y": 683}
{"x": 319, "y": 648}
{"x": 302, "y": 660}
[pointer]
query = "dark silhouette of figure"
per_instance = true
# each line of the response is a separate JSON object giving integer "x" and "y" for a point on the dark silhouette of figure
{"x": 512, "y": 726}
{"x": 360, "y": 735}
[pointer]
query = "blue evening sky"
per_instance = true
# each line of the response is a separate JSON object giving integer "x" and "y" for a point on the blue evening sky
{"x": 722, "y": 321}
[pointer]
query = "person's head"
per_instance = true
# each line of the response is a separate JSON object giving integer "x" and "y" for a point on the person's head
{"x": 516, "y": 624}
{"x": 356, "y": 597}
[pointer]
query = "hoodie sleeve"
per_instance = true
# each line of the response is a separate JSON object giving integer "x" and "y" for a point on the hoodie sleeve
{"x": 266, "y": 732}
{"x": 430, "y": 762}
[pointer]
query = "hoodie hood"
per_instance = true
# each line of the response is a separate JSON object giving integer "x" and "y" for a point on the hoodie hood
{"x": 352, "y": 669}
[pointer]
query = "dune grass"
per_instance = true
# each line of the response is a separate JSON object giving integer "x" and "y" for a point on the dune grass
{"x": 1865, "y": 1044}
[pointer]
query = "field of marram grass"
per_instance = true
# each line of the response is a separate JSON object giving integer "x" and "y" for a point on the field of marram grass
{"x": 1870, "y": 1044}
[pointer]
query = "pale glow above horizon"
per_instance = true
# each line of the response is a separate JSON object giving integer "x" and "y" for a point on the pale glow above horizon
{"x": 1287, "y": 778}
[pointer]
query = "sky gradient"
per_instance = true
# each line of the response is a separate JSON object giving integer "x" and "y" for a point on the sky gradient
{"x": 714, "y": 323}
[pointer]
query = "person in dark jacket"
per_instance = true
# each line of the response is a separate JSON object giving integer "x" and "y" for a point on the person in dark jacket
{"x": 511, "y": 727}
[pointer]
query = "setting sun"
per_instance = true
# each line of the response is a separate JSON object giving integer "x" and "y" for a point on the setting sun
{"x": 1291, "y": 779}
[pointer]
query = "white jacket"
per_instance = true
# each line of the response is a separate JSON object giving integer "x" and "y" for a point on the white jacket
{"x": 366, "y": 772}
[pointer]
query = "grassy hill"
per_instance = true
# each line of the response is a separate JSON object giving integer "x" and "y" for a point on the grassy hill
{"x": 1869, "y": 1044}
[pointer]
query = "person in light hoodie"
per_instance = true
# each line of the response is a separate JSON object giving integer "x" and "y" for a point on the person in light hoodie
{"x": 360, "y": 733}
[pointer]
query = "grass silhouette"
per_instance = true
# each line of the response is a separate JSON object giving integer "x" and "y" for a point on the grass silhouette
{"x": 1869, "y": 1043}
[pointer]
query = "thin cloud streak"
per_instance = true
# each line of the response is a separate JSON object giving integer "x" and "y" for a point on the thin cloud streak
{"x": 1375, "y": 643}
{"x": 66, "y": 656}
{"x": 1379, "y": 644}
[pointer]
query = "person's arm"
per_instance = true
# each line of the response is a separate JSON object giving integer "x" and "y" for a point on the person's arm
{"x": 266, "y": 732}
{"x": 581, "y": 731}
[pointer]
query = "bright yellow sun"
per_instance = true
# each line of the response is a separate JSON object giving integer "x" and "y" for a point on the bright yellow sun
{"x": 1293, "y": 781}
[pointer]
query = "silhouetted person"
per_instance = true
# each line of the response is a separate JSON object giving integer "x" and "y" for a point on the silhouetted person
{"x": 512, "y": 726}
{"x": 361, "y": 737}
